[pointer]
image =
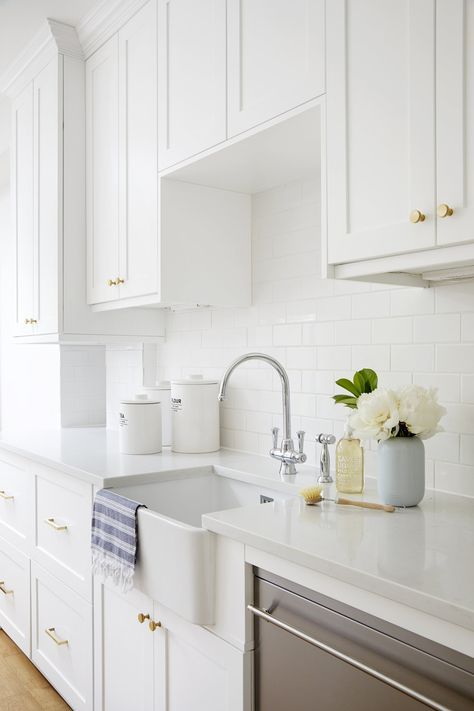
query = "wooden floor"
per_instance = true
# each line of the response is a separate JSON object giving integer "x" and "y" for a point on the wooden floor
{"x": 22, "y": 687}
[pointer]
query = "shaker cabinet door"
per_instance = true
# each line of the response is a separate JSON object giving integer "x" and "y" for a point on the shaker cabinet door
{"x": 275, "y": 58}
{"x": 138, "y": 160}
{"x": 380, "y": 127}
{"x": 22, "y": 193}
{"x": 213, "y": 670}
{"x": 455, "y": 120}
{"x": 192, "y": 77}
{"x": 47, "y": 197}
{"x": 102, "y": 173}
{"x": 126, "y": 657}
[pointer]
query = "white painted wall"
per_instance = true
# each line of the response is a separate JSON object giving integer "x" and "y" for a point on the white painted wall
{"x": 322, "y": 330}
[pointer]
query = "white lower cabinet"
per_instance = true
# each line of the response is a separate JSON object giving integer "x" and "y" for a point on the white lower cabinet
{"x": 149, "y": 659}
{"x": 15, "y": 595}
{"x": 62, "y": 637}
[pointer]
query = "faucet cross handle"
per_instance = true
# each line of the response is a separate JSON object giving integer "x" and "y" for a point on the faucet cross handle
{"x": 300, "y": 434}
{"x": 275, "y": 431}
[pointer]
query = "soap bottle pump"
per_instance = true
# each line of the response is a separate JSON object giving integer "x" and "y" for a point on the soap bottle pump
{"x": 349, "y": 464}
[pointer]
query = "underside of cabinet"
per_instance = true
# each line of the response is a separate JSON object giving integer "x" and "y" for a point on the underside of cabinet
{"x": 441, "y": 265}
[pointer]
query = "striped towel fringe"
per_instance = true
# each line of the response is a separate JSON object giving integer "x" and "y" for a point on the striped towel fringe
{"x": 114, "y": 538}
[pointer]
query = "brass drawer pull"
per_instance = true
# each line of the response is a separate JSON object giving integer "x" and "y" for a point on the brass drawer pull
{"x": 119, "y": 280}
{"x": 3, "y": 588}
{"x": 4, "y": 495}
{"x": 51, "y": 632}
{"x": 141, "y": 617}
{"x": 57, "y": 526}
{"x": 154, "y": 625}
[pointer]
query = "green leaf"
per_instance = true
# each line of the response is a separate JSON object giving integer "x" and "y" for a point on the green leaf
{"x": 348, "y": 385}
{"x": 345, "y": 400}
{"x": 359, "y": 381}
{"x": 371, "y": 379}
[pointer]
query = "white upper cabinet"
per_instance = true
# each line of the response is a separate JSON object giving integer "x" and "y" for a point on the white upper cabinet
{"x": 275, "y": 58}
{"x": 102, "y": 171}
{"x": 22, "y": 194}
{"x": 47, "y": 141}
{"x": 138, "y": 159}
{"x": 36, "y": 116}
{"x": 149, "y": 239}
{"x": 380, "y": 127}
{"x": 122, "y": 168}
{"x": 192, "y": 77}
{"x": 455, "y": 120}
{"x": 49, "y": 183}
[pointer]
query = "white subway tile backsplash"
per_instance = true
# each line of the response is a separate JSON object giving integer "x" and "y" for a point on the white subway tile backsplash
{"x": 408, "y": 302}
{"x": 322, "y": 330}
{"x": 455, "y": 298}
{"x": 376, "y": 357}
{"x": 352, "y": 332}
{"x": 457, "y": 478}
{"x": 287, "y": 335}
{"x": 393, "y": 330}
{"x": 467, "y": 388}
{"x": 438, "y": 328}
{"x": 455, "y": 358}
{"x": 411, "y": 357}
{"x": 334, "y": 308}
{"x": 467, "y": 327}
{"x": 370, "y": 305}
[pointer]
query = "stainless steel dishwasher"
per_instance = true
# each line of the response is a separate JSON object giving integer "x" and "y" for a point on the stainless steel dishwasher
{"x": 314, "y": 654}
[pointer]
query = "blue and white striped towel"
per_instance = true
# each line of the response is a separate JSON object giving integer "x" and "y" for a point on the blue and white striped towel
{"x": 114, "y": 537}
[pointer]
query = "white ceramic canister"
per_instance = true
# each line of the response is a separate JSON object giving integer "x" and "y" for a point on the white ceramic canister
{"x": 162, "y": 392}
{"x": 140, "y": 425}
{"x": 195, "y": 415}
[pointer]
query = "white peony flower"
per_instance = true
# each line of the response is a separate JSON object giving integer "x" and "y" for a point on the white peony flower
{"x": 376, "y": 416}
{"x": 419, "y": 410}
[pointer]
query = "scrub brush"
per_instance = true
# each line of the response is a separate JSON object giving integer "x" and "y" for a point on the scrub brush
{"x": 311, "y": 495}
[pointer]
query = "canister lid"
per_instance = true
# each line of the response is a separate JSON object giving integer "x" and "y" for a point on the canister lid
{"x": 140, "y": 399}
{"x": 194, "y": 379}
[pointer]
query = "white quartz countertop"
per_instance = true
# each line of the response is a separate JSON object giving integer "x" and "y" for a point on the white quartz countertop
{"x": 422, "y": 557}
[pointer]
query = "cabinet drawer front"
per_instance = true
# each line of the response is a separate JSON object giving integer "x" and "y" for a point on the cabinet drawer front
{"x": 16, "y": 500}
{"x": 63, "y": 519}
{"x": 62, "y": 637}
{"x": 15, "y": 595}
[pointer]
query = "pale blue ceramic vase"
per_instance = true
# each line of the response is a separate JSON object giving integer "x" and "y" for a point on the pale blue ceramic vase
{"x": 401, "y": 471}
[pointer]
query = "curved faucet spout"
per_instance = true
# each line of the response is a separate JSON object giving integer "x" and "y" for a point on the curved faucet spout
{"x": 286, "y": 453}
{"x": 285, "y": 384}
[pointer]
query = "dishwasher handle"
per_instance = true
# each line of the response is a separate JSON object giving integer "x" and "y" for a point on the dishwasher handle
{"x": 268, "y": 617}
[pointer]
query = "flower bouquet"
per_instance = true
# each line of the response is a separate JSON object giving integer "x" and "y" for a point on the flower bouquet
{"x": 398, "y": 419}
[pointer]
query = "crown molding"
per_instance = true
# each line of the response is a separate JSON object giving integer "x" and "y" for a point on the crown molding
{"x": 103, "y": 21}
{"x": 52, "y": 38}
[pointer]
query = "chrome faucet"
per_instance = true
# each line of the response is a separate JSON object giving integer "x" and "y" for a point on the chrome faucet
{"x": 286, "y": 453}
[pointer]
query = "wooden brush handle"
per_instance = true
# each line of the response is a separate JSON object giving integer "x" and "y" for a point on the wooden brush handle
{"x": 366, "y": 505}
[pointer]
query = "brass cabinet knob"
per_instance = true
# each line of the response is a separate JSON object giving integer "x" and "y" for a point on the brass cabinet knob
{"x": 119, "y": 280}
{"x": 27, "y": 321}
{"x": 417, "y": 216}
{"x": 154, "y": 625}
{"x": 33, "y": 320}
{"x": 141, "y": 617}
{"x": 30, "y": 321}
{"x": 112, "y": 282}
{"x": 444, "y": 210}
